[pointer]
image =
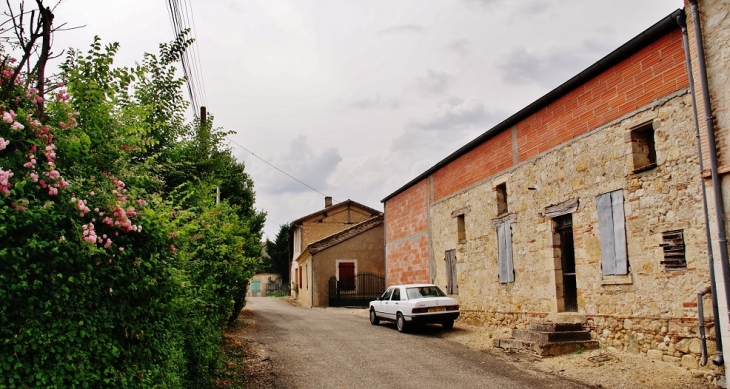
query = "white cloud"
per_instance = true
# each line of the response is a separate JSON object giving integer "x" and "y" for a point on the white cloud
{"x": 434, "y": 82}
{"x": 457, "y": 114}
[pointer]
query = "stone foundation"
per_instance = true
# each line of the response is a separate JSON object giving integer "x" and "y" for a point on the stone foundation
{"x": 672, "y": 340}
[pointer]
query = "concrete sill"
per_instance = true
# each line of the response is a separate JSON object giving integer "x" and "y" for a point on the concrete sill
{"x": 618, "y": 280}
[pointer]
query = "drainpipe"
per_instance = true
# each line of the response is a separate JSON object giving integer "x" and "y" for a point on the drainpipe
{"x": 710, "y": 258}
{"x": 701, "y": 317}
{"x": 712, "y": 149}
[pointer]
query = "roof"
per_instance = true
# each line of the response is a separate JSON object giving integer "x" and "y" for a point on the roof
{"x": 344, "y": 235}
{"x": 642, "y": 40}
{"x": 324, "y": 211}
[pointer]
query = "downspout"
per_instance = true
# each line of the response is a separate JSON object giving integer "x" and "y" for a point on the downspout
{"x": 712, "y": 149}
{"x": 710, "y": 258}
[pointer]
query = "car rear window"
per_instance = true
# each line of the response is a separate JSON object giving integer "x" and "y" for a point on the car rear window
{"x": 423, "y": 292}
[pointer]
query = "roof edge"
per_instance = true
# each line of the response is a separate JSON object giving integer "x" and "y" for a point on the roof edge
{"x": 648, "y": 36}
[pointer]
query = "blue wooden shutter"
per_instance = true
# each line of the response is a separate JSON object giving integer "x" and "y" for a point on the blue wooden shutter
{"x": 451, "y": 285}
{"x": 611, "y": 226}
{"x": 504, "y": 247}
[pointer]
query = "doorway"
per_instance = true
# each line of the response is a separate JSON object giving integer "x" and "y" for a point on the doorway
{"x": 565, "y": 257}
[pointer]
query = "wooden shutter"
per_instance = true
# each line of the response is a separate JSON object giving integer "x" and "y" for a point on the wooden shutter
{"x": 504, "y": 247}
{"x": 611, "y": 226}
{"x": 347, "y": 275}
{"x": 451, "y": 285}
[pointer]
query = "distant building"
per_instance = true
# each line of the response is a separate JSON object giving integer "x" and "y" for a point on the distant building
{"x": 341, "y": 241}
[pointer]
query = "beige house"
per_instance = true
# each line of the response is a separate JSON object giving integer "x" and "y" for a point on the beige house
{"x": 587, "y": 205}
{"x": 340, "y": 241}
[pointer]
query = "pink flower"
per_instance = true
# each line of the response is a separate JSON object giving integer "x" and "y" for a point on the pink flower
{"x": 173, "y": 249}
{"x": 121, "y": 249}
{"x": 4, "y": 181}
{"x": 34, "y": 176}
{"x": 17, "y": 126}
{"x": 7, "y": 118}
{"x": 52, "y": 191}
{"x": 107, "y": 244}
{"x": 4, "y": 143}
{"x": 39, "y": 99}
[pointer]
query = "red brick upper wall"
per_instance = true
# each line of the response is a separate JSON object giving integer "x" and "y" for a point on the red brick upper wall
{"x": 406, "y": 213}
{"x": 651, "y": 73}
{"x": 487, "y": 159}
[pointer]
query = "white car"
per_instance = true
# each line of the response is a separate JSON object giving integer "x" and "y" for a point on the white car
{"x": 414, "y": 304}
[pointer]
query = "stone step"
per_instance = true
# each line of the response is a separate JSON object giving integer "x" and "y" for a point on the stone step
{"x": 551, "y": 337}
{"x": 555, "y": 327}
{"x": 545, "y": 350}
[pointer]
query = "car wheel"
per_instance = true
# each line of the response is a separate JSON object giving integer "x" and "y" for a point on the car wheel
{"x": 374, "y": 320}
{"x": 400, "y": 323}
{"x": 448, "y": 324}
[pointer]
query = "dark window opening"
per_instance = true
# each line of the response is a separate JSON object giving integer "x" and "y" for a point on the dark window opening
{"x": 461, "y": 228}
{"x": 501, "y": 190}
{"x": 347, "y": 275}
{"x": 673, "y": 246}
{"x": 643, "y": 149}
{"x": 564, "y": 230}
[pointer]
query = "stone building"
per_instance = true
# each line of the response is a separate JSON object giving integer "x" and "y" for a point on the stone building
{"x": 585, "y": 205}
{"x": 338, "y": 241}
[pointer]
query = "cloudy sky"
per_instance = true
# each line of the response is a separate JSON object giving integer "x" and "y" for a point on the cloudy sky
{"x": 357, "y": 97}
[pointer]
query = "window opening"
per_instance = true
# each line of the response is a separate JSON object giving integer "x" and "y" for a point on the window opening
{"x": 504, "y": 248}
{"x": 673, "y": 246}
{"x": 643, "y": 149}
{"x": 461, "y": 228}
{"x": 501, "y": 190}
{"x": 396, "y": 295}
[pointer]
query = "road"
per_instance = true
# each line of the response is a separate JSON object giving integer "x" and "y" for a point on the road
{"x": 339, "y": 349}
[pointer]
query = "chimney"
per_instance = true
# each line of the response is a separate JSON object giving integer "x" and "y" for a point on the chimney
{"x": 327, "y": 201}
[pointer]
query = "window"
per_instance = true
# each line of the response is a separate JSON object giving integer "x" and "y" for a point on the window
{"x": 396, "y": 295}
{"x": 501, "y": 190}
{"x": 614, "y": 259}
{"x": 504, "y": 247}
{"x": 451, "y": 286}
{"x": 386, "y": 295}
{"x": 673, "y": 245}
{"x": 643, "y": 151}
{"x": 461, "y": 228}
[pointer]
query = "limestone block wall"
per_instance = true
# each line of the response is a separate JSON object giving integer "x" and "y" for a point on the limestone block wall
{"x": 661, "y": 302}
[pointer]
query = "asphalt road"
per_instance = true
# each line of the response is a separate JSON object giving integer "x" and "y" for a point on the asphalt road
{"x": 338, "y": 349}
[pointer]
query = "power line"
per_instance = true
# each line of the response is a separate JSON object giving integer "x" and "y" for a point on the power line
{"x": 270, "y": 164}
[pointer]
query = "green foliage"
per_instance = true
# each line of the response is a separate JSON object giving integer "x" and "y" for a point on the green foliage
{"x": 280, "y": 253}
{"x": 111, "y": 276}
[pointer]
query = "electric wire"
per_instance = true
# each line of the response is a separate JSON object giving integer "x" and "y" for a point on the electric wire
{"x": 272, "y": 165}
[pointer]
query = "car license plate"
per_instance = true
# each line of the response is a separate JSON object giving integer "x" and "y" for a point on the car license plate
{"x": 437, "y": 309}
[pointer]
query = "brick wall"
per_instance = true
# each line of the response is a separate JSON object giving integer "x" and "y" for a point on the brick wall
{"x": 407, "y": 261}
{"x": 651, "y": 73}
{"x": 407, "y": 212}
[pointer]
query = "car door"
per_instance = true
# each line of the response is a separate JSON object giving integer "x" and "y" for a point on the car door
{"x": 394, "y": 303}
{"x": 381, "y": 305}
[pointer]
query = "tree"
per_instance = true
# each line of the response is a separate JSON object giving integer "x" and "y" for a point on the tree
{"x": 280, "y": 252}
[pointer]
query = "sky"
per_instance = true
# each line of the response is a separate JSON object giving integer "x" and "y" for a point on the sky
{"x": 355, "y": 98}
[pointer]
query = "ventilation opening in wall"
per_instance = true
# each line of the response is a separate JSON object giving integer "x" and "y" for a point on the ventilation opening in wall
{"x": 501, "y": 190}
{"x": 643, "y": 149}
{"x": 673, "y": 245}
{"x": 461, "y": 229}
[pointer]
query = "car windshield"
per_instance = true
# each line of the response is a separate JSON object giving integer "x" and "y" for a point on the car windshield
{"x": 423, "y": 292}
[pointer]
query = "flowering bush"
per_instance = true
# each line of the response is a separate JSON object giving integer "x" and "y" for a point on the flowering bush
{"x": 103, "y": 281}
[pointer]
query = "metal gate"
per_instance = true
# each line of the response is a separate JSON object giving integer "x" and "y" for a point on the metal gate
{"x": 368, "y": 287}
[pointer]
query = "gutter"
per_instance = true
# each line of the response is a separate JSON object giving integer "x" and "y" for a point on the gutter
{"x": 650, "y": 35}
{"x": 712, "y": 149}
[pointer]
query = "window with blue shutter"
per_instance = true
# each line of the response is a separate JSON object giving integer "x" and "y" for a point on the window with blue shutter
{"x": 611, "y": 226}
{"x": 504, "y": 246}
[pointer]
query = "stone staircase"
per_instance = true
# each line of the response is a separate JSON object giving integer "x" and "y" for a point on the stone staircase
{"x": 549, "y": 339}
